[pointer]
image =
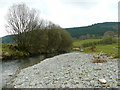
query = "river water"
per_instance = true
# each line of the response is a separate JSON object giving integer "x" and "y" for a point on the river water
{"x": 12, "y": 67}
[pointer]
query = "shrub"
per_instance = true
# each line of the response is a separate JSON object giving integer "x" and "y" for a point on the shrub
{"x": 20, "y": 54}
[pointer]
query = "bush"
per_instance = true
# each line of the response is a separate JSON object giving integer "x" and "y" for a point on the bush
{"x": 50, "y": 40}
{"x": 107, "y": 40}
{"x": 20, "y": 54}
{"x": 91, "y": 44}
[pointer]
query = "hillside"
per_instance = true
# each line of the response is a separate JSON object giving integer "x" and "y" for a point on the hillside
{"x": 94, "y": 29}
{"x": 7, "y": 39}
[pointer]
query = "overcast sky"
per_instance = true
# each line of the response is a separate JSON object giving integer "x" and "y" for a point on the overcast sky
{"x": 67, "y": 13}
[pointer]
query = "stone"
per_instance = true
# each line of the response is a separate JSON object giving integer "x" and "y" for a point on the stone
{"x": 81, "y": 50}
{"x": 32, "y": 84}
{"x": 76, "y": 73}
{"x": 37, "y": 72}
{"x": 110, "y": 77}
{"x": 27, "y": 78}
{"x": 86, "y": 79}
{"x": 103, "y": 81}
{"x": 118, "y": 84}
{"x": 10, "y": 74}
{"x": 79, "y": 86}
{"x": 97, "y": 68}
{"x": 77, "y": 82}
{"x": 53, "y": 82}
{"x": 92, "y": 82}
{"x": 97, "y": 85}
{"x": 111, "y": 57}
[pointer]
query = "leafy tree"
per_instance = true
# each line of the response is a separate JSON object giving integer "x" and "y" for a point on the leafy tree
{"x": 39, "y": 41}
{"x": 108, "y": 34}
{"x": 108, "y": 37}
{"x": 34, "y": 35}
{"x": 54, "y": 38}
{"x": 66, "y": 41}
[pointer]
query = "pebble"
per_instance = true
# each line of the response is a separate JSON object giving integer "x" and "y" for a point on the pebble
{"x": 103, "y": 81}
{"x": 70, "y": 70}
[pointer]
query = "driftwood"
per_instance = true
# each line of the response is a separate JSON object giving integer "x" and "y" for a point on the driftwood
{"x": 99, "y": 58}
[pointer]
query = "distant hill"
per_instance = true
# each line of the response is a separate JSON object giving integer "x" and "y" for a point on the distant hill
{"x": 96, "y": 29}
{"x": 7, "y": 39}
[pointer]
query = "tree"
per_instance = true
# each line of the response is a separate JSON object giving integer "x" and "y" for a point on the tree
{"x": 35, "y": 35}
{"x": 66, "y": 41}
{"x": 108, "y": 34}
{"x": 22, "y": 20}
{"x": 39, "y": 41}
{"x": 108, "y": 37}
{"x": 54, "y": 38}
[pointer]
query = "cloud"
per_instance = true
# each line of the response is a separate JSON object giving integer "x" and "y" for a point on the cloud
{"x": 3, "y": 12}
{"x": 68, "y": 13}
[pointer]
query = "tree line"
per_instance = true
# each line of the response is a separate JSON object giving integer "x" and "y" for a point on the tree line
{"x": 109, "y": 37}
{"x": 34, "y": 34}
{"x": 95, "y": 30}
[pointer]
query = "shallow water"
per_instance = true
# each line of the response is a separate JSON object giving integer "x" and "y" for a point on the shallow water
{"x": 12, "y": 67}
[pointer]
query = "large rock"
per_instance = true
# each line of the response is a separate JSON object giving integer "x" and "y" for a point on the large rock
{"x": 103, "y": 81}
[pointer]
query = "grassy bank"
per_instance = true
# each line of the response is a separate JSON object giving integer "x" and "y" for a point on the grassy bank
{"x": 11, "y": 53}
{"x": 110, "y": 49}
{"x": 80, "y": 42}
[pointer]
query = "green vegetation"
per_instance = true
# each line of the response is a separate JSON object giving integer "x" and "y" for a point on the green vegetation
{"x": 105, "y": 48}
{"x": 80, "y": 42}
{"x": 7, "y": 39}
{"x": 108, "y": 44}
{"x": 94, "y": 31}
{"x": 110, "y": 49}
{"x": 87, "y": 32}
{"x": 33, "y": 35}
{"x": 7, "y": 52}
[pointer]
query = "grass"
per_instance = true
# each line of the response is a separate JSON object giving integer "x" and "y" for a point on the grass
{"x": 80, "y": 42}
{"x": 105, "y": 48}
{"x": 6, "y": 51}
{"x": 109, "y": 49}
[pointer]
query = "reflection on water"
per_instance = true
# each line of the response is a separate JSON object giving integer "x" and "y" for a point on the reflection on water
{"x": 24, "y": 63}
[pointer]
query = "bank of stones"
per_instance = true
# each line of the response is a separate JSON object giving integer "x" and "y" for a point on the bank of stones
{"x": 71, "y": 70}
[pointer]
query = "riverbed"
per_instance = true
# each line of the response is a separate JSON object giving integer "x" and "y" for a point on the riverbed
{"x": 10, "y": 68}
{"x": 70, "y": 70}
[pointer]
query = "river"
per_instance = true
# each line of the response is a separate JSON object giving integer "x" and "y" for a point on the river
{"x": 11, "y": 68}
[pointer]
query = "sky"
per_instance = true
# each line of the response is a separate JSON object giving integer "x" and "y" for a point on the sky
{"x": 66, "y": 13}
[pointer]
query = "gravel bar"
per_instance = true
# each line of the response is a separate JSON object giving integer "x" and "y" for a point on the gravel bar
{"x": 70, "y": 70}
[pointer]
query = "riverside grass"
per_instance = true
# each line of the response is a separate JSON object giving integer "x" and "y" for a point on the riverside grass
{"x": 77, "y": 43}
{"x": 6, "y": 51}
{"x": 105, "y": 48}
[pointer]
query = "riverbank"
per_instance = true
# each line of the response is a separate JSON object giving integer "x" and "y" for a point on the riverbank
{"x": 70, "y": 70}
{"x": 9, "y": 53}
{"x": 10, "y": 68}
